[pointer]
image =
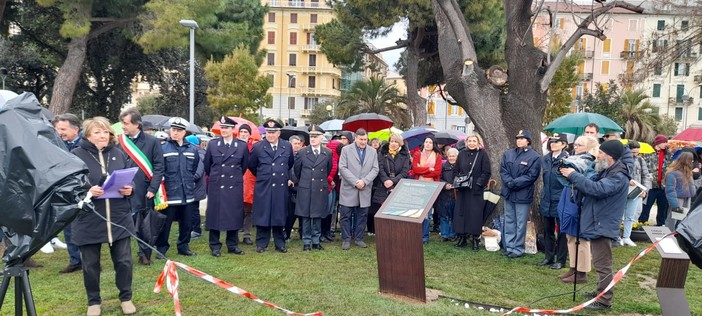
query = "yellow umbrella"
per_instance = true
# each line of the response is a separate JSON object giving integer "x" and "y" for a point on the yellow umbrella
{"x": 384, "y": 134}
{"x": 646, "y": 148}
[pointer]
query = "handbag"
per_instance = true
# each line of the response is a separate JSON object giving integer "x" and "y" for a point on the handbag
{"x": 465, "y": 181}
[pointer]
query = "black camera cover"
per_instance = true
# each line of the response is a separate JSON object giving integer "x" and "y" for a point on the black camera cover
{"x": 41, "y": 183}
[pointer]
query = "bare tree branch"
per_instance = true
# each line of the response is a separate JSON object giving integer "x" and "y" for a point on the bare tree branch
{"x": 115, "y": 23}
{"x": 400, "y": 44}
{"x": 583, "y": 29}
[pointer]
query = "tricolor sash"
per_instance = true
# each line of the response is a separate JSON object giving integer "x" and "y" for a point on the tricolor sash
{"x": 160, "y": 199}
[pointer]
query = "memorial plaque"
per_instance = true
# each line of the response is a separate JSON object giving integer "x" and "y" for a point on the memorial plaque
{"x": 398, "y": 229}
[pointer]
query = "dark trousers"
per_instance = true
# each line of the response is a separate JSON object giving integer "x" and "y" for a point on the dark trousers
{"x": 195, "y": 217}
{"x": 142, "y": 249}
{"x": 554, "y": 247}
{"x": 657, "y": 196}
{"x": 121, "y": 253}
{"x": 263, "y": 236}
{"x": 371, "y": 217}
{"x": 73, "y": 250}
{"x": 248, "y": 220}
{"x": 361, "y": 216}
{"x": 601, "y": 250}
{"x": 311, "y": 230}
{"x": 232, "y": 240}
{"x": 290, "y": 221}
{"x": 181, "y": 213}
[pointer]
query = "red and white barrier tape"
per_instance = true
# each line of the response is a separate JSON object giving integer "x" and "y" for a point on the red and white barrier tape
{"x": 169, "y": 275}
{"x": 615, "y": 279}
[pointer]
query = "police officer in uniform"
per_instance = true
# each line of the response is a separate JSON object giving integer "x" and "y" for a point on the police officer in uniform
{"x": 312, "y": 166}
{"x": 270, "y": 161}
{"x": 226, "y": 160}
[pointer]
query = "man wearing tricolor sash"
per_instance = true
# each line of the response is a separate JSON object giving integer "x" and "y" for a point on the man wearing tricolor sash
{"x": 145, "y": 151}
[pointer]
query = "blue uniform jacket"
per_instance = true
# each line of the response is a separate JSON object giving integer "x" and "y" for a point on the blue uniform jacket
{"x": 519, "y": 170}
{"x": 180, "y": 167}
{"x": 551, "y": 192}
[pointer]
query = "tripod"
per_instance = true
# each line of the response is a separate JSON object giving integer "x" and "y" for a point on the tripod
{"x": 23, "y": 291}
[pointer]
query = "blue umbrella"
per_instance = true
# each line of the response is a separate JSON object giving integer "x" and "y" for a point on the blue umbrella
{"x": 415, "y": 137}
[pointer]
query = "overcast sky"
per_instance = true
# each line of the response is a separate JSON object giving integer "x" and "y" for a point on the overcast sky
{"x": 399, "y": 31}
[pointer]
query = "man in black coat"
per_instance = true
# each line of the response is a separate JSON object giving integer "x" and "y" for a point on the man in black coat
{"x": 226, "y": 159}
{"x": 310, "y": 174}
{"x": 270, "y": 161}
{"x": 145, "y": 187}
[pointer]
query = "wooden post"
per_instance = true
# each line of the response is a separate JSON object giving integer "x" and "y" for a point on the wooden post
{"x": 672, "y": 273}
{"x": 398, "y": 226}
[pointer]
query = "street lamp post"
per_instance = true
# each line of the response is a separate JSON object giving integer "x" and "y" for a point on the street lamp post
{"x": 3, "y": 74}
{"x": 291, "y": 77}
{"x": 192, "y": 25}
{"x": 330, "y": 108}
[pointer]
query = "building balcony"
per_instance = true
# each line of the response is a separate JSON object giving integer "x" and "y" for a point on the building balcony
{"x": 296, "y": 4}
{"x": 697, "y": 78}
{"x": 688, "y": 57}
{"x": 309, "y": 26}
{"x": 314, "y": 92}
{"x": 310, "y": 48}
{"x": 630, "y": 54}
{"x": 675, "y": 101}
{"x": 589, "y": 54}
{"x": 322, "y": 70}
{"x": 585, "y": 76}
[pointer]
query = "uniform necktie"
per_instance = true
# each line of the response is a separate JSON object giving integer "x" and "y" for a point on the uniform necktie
{"x": 316, "y": 152}
{"x": 227, "y": 145}
{"x": 275, "y": 147}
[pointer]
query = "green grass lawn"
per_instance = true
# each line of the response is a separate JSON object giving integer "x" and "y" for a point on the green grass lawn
{"x": 340, "y": 282}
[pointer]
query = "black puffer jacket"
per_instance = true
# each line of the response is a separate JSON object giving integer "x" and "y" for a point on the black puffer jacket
{"x": 390, "y": 168}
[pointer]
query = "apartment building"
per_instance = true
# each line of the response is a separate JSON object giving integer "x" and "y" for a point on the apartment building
{"x": 441, "y": 114}
{"x": 633, "y": 40}
{"x": 302, "y": 76}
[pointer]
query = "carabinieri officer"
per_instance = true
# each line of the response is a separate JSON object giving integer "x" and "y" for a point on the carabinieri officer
{"x": 226, "y": 160}
{"x": 270, "y": 161}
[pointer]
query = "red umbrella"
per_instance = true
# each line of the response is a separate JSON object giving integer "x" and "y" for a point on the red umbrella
{"x": 691, "y": 133}
{"x": 371, "y": 122}
{"x": 255, "y": 134}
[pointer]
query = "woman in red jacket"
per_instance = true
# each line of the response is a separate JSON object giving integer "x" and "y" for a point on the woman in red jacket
{"x": 426, "y": 166}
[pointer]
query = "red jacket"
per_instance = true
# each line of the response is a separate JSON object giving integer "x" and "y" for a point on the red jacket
{"x": 424, "y": 171}
{"x": 249, "y": 181}
{"x": 332, "y": 144}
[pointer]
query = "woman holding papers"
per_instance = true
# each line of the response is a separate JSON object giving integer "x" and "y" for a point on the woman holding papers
{"x": 99, "y": 152}
{"x": 641, "y": 177}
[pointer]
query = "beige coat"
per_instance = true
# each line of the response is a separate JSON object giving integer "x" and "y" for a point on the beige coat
{"x": 351, "y": 170}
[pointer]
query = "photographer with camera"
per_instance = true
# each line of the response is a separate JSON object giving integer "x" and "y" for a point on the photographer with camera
{"x": 520, "y": 168}
{"x": 473, "y": 165}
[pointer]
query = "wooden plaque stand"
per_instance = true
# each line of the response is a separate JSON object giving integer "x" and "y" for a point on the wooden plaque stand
{"x": 399, "y": 238}
{"x": 672, "y": 274}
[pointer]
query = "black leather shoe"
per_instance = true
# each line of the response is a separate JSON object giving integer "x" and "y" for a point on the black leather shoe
{"x": 557, "y": 266}
{"x": 317, "y": 247}
{"x": 306, "y": 248}
{"x": 247, "y": 241}
{"x": 186, "y": 253}
{"x": 281, "y": 250}
{"x": 260, "y": 249}
{"x": 476, "y": 244}
{"x": 545, "y": 262}
{"x": 216, "y": 253}
{"x": 598, "y": 306}
{"x": 71, "y": 268}
{"x": 236, "y": 251}
{"x": 160, "y": 256}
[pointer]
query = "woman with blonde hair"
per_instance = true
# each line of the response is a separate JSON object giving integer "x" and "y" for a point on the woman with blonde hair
{"x": 102, "y": 156}
{"x": 585, "y": 150}
{"x": 468, "y": 214}
{"x": 393, "y": 166}
{"x": 679, "y": 186}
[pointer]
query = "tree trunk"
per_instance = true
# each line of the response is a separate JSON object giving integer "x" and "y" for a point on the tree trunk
{"x": 415, "y": 103}
{"x": 498, "y": 112}
{"x": 68, "y": 75}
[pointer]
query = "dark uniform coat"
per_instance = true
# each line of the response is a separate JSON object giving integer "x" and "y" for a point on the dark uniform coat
{"x": 151, "y": 147}
{"x": 468, "y": 214}
{"x": 225, "y": 190}
{"x": 310, "y": 176}
{"x": 272, "y": 171}
{"x": 88, "y": 228}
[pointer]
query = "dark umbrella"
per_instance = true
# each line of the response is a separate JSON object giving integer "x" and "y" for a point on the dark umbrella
{"x": 149, "y": 225}
{"x": 446, "y": 138}
{"x": 415, "y": 137}
{"x": 301, "y": 131}
{"x": 371, "y": 122}
{"x": 491, "y": 200}
{"x": 158, "y": 121}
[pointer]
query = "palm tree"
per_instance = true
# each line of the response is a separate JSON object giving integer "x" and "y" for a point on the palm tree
{"x": 374, "y": 96}
{"x": 637, "y": 113}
